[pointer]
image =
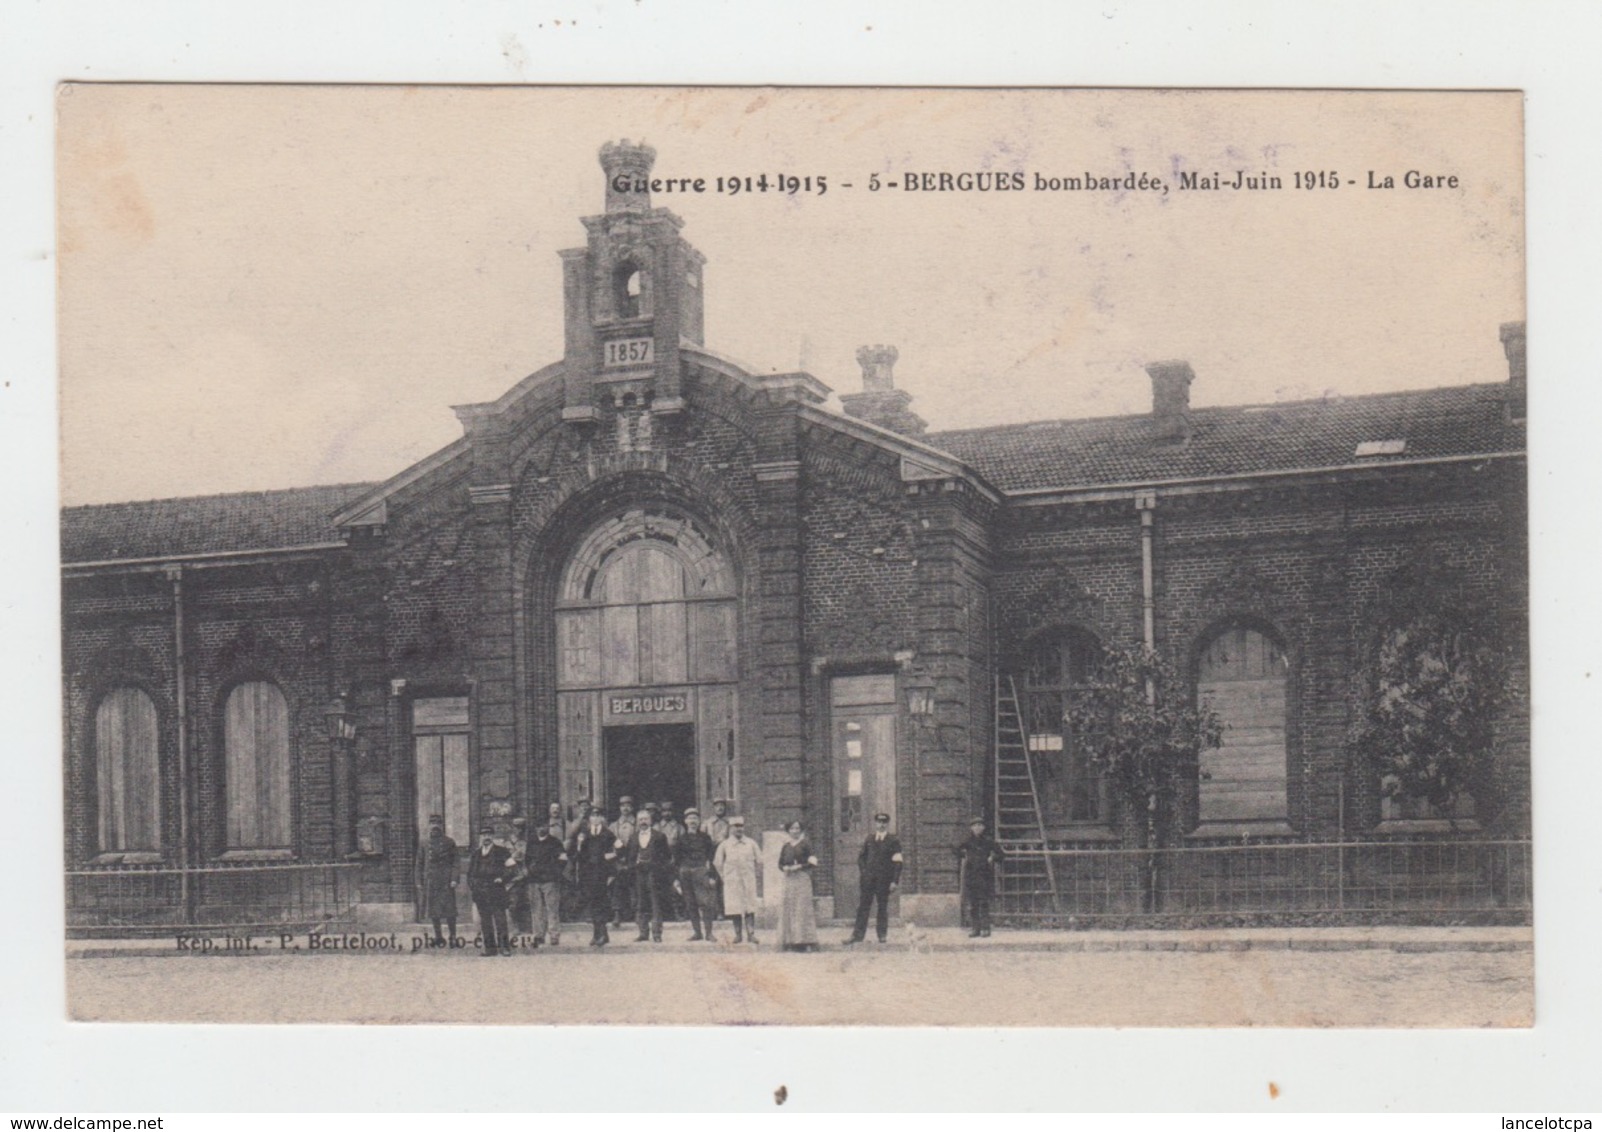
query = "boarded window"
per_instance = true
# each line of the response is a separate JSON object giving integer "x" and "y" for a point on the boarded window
{"x": 1057, "y": 668}
{"x": 646, "y": 600}
{"x": 256, "y": 770}
{"x": 1242, "y": 678}
{"x": 126, "y": 776}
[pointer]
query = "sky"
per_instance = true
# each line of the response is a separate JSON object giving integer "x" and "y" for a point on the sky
{"x": 274, "y": 286}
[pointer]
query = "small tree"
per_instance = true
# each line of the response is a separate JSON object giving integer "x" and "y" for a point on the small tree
{"x": 1143, "y": 732}
{"x": 1434, "y": 683}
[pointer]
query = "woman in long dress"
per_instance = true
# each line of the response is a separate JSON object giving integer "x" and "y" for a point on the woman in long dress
{"x": 798, "y": 917}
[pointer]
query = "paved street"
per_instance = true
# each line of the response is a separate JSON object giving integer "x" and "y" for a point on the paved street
{"x": 1300, "y": 984}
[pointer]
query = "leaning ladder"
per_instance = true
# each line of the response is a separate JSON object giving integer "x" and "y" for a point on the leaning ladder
{"x": 1018, "y": 812}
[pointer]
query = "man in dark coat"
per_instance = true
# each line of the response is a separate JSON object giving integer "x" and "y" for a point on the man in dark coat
{"x": 594, "y": 853}
{"x": 697, "y": 883}
{"x": 436, "y": 878}
{"x": 488, "y": 871}
{"x": 977, "y": 859}
{"x": 544, "y": 863}
{"x": 879, "y": 866}
{"x": 650, "y": 858}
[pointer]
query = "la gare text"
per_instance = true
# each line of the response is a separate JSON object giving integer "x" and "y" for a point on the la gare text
{"x": 1003, "y": 182}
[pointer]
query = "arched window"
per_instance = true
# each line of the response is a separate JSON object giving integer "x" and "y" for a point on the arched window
{"x": 127, "y": 778}
{"x": 647, "y": 599}
{"x": 1242, "y": 677}
{"x": 256, "y": 767}
{"x": 629, "y": 291}
{"x": 1057, "y": 667}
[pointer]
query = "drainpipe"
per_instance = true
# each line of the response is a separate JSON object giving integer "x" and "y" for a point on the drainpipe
{"x": 175, "y": 574}
{"x": 1146, "y": 504}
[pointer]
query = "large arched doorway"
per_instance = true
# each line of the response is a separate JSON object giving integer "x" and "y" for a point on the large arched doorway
{"x": 646, "y": 664}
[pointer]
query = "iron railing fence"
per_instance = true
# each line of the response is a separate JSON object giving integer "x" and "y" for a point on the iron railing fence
{"x": 135, "y": 900}
{"x": 1420, "y": 881}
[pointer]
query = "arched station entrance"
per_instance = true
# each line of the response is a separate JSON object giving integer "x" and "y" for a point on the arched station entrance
{"x": 646, "y": 662}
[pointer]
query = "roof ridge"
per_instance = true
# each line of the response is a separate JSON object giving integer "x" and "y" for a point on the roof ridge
{"x": 1337, "y": 398}
{"x": 351, "y": 486}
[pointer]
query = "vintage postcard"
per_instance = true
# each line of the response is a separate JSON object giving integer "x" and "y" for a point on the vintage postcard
{"x": 794, "y": 556}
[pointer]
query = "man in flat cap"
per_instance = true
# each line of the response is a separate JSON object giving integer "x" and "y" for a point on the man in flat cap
{"x": 718, "y": 827}
{"x": 582, "y": 818}
{"x": 696, "y": 882}
{"x": 977, "y": 859}
{"x": 879, "y": 867}
{"x": 488, "y": 870}
{"x": 436, "y": 879}
{"x": 738, "y": 862}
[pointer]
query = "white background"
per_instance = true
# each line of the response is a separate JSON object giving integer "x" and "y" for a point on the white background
{"x": 1545, "y": 48}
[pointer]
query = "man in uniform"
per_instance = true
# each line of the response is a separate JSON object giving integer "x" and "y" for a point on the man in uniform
{"x": 487, "y": 872}
{"x": 738, "y": 862}
{"x": 594, "y": 851}
{"x": 623, "y": 888}
{"x": 517, "y": 885}
{"x": 879, "y": 867}
{"x": 436, "y": 879}
{"x": 649, "y": 857}
{"x": 697, "y": 883}
{"x": 977, "y": 859}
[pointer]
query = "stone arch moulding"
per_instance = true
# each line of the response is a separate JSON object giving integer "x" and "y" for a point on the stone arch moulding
{"x": 1244, "y": 594}
{"x": 1053, "y": 601}
{"x": 574, "y": 502}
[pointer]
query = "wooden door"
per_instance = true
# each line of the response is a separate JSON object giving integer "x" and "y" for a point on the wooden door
{"x": 863, "y": 727}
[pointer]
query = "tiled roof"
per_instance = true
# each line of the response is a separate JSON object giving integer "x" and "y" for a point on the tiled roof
{"x": 1049, "y": 454}
{"x": 1229, "y": 441}
{"x": 252, "y": 520}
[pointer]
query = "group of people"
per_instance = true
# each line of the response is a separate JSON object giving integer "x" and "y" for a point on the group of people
{"x": 647, "y": 866}
{"x": 644, "y": 866}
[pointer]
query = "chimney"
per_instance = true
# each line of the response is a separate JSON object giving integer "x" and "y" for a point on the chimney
{"x": 1513, "y": 346}
{"x": 880, "y": 402}
{"x": 628, "y": 175}
{"x": 1170, "y": 400}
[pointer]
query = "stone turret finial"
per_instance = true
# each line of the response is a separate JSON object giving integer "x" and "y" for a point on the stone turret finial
{"x": 628, "y": 175}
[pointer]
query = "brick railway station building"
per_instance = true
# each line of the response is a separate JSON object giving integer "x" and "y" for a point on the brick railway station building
{"x": 646, "y": 571}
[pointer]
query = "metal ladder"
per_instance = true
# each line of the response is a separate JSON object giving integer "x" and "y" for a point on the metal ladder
{"x": 1019, "y": 819}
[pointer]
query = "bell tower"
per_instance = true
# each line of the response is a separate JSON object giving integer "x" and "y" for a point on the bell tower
{"x": 632, "y": 294}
